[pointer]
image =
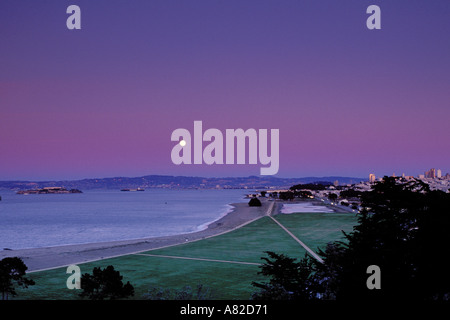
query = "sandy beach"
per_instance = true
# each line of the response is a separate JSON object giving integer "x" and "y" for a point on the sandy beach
{"x": 59, "y": 256}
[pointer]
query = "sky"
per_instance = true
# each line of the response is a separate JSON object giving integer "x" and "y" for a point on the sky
{"x": 103, "y": 101}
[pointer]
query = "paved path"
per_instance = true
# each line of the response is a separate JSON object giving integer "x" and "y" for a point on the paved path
{"x": 312, "y": 253}
{"x": 199, "y": 259}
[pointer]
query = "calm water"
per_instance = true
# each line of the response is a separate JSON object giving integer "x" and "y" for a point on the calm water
{"x": 31, "y": 221}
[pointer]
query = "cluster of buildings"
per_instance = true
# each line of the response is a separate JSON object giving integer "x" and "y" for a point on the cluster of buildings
{"x": 433, "y": 173}
{"x": 432, "y": 177}
{"x": 332, "y": 194}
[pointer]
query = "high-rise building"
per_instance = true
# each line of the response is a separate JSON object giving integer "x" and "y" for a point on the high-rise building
{"x": 371, "y": 178}
{"x": 430, "y": 173}
{"x": 438, "y": 173}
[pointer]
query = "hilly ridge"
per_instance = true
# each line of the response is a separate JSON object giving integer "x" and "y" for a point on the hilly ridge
{"x": 182, "y": 182}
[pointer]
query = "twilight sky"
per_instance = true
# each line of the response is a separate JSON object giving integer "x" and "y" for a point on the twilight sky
{"x": 103, "y": 101}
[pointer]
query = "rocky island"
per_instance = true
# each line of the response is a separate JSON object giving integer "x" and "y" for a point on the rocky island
{"x": 49, "y": 190}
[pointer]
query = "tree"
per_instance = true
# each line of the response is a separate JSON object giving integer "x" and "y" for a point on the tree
{"x": 304, "y": 194}
{"x": 402, "y": 229}
{"x": 104, "y": 284}
{"x": 312, "y": 186}
{"x": 254, "y": 202}
{"x": 286, "y": 195}
{"x": 289, "y": 280}
{"x": 13, "y": 270}
{"x": 350, "y": 193}
{"x": 332, "y": 196}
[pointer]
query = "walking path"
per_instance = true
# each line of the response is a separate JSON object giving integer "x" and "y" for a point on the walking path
{"x": 312, "y": 253}
{"x": 199, "y": 259}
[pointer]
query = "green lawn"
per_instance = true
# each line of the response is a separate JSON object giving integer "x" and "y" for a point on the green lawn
{"x": 245, "y": 244}
{"x": 228, "y": 281}
{"x": 317, "y": 229}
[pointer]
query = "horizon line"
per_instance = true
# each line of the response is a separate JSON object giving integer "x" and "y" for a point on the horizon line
{"x": 185, "y": 176}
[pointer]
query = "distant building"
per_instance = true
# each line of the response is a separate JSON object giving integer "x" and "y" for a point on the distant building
{"x": 438, "y": 173}
{"x": 430, "y": 173}
{"x": 372, "y": 178}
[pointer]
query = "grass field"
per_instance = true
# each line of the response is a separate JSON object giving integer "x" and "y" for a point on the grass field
{"x": 317, "y": 229}
{"x": 227, "y": 280}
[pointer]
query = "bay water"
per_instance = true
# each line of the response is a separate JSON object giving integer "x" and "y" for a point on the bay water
{"x": 45, "y": 220}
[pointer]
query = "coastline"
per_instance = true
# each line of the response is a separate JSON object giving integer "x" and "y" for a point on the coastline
{"x": 38, "y": 259}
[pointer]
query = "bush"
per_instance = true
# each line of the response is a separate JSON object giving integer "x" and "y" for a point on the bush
{"x": 105, "y": 283}
{"x": 254, "y": 202}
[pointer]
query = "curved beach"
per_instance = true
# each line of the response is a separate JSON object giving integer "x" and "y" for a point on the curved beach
{"x": 59, "y": 256}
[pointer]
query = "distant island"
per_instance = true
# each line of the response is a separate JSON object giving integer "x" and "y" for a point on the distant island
{"x": 137, "y": 189}
{"x": 49, "y": 190}
{"x": 177, "y": 182}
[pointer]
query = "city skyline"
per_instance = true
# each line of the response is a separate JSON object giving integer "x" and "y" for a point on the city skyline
{"x": 432, "y": 173}
{"x": 102, "y": 101}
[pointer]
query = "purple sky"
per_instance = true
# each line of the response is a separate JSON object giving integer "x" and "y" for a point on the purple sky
{"x": 103, "y": 101}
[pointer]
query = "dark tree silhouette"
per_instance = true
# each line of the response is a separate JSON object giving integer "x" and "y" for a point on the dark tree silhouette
{"x": 12, "y": 271}
{"x": 105, "y": 284}
{"x": 402, "y": 229}
{"x": 290, "y": 280}
{"x": 286, "y": 195}
{"x": 332, "y": 196}
{"x": 303, "y": 194}
{"x": 350, "y": 193}
{"x": 254, "y": 202}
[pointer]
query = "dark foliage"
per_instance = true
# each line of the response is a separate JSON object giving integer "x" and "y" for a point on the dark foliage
{"x": 303, "y": 194}
{"x": 290, "y": 280}
{"x": 286, "y": 195}
{"x": 254, "y": 202}
{"x": 332, "y": 196}
{"x": 105, "y": 284}
{"x": 12, "y": 271}
{"x": 403, "y": 229}
{"x": 350, "y": 193}
{"x": 312, "y": 186}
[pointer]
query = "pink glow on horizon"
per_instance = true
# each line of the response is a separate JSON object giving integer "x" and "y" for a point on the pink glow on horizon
{"x": 104, "y": 101}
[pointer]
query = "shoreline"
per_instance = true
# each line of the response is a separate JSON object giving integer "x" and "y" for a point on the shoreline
{"x": 39, "y": 259}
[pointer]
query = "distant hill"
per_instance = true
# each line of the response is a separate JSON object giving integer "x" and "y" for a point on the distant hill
{"x": 182, "y": 182}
